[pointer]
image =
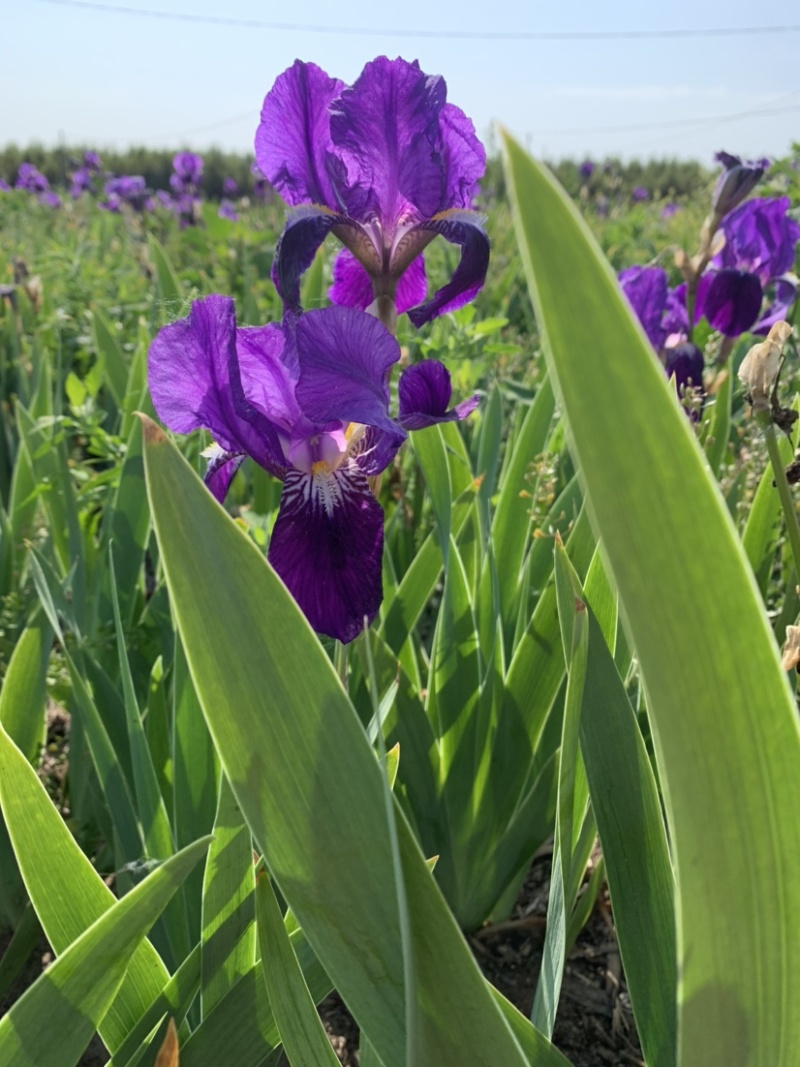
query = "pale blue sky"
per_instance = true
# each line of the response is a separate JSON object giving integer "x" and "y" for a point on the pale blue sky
{"x": 112, "y": 80}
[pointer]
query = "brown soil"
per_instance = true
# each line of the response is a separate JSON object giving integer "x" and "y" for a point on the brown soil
{"x": 594, "y": 1025}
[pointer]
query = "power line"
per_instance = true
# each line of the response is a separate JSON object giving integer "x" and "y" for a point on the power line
{"x": 461, "y": 35}
{"x": 703, "y": 120}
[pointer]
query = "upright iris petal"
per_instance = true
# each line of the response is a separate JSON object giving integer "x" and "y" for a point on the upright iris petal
{"x": 386, "y": 164}
{"x": 309, "y": 401}
{"x": 756, "y": 258}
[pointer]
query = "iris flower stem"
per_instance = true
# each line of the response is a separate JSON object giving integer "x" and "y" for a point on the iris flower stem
{"x": 782, "y": 484}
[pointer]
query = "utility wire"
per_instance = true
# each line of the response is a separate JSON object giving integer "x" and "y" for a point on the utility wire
{"x": 704, "y": 120}
{"x": 461, "y": 35}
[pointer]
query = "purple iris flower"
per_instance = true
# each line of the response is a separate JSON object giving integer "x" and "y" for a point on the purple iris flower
{"x": 81, "y": 183}
{"x": 31, "y": 179}
{"x": 386, "y": 164}
{"x": 91, "y": 160}
{"x": 128, "y": 189}
{"x": 758, "y": 254}
{"x": 188, "y": 167}
{"x": 308, "y": 400}
{"x": 586, "y": 169}
{"x": 4, "y": 186}
{"x": 49, "y": 199}
{"x": 662, "y": 313}
{"x": 261, "y": 187}
{"x": 640, "y": 194}
{"x": 229, "y": 187}
{"x": 227, "y": 210}
{"x": 738, "y": 179}
{"x": 668, "y": 210}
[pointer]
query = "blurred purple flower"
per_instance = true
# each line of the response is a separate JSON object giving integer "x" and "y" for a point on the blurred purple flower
{"x": 386, "y": 164}
{"x": 640, "y": 194}
{"x": 81, "y": 183}
{"x": 229, "y": 187}
{"x": 188, "y": 167}
{"x": 30, "y": 178}
{"x": 758, "y": 254}
{"x": 227, "y": 210}
{"x": 308, "y": 400}
{"x": 662, "y": 313}
{"x": 261, "y": 187}
{"x": 163, "y": 199}
{"x": 91, "y": 161}
{"x": 128, "y": 189}
{"x": 586, "y": 169}
{"x": 737, "y": 180}
{"x": 49, "y": 199}
{"x": 4, "y": 186}
{"x": 668, "y": 210}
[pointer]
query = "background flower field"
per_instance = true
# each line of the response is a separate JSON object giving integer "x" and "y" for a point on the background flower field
{"x": 526, "y": 694}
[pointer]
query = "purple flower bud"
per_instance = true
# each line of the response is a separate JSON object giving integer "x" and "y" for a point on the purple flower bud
{"x": 229, "y": 187}
{"x": 586, "y": 169}
{"x": 640, "y": 194}
{"x": 686, "y": 363}
{"x": 737, "y": 181}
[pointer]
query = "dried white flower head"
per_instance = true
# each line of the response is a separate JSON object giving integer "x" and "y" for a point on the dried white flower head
{"x": 791, "y": 650}
{"x": 760, "y": 366}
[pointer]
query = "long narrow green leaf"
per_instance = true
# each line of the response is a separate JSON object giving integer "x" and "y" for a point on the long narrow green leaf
{"x": 301, "y": 1029}
{"x": 229, "y": 934}
{"x": 22, "y": 698}
{"x": 66, "y": 891}
{"x": 77, "y": 990}
{"x": 723, "y": 718}
{"x": 309, "y": 784}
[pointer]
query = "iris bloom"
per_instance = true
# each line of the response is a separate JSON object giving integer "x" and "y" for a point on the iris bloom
{"x": 385, "y": 164}
{"x": 188, "y": 169}
{"x": 759, "y": 252}
{"x": 308, "y": 400}
{"x": 662, "y": 313}
{"x": 128, "y": 189}
{"x": 31, "y": 179}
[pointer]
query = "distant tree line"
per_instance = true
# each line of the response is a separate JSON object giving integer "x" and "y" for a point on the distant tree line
{"x": 661, "y": 178}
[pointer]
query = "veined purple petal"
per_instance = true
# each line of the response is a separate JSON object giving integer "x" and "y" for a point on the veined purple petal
{"x": 464, "y": 158}
{"x": 730, "y": 300}
{"x": 269, "y": 371}
{"x": 385, "y": 127}
{"x": 646, "y": 291}
{"x": 345, "y": 357}
{"x": 760, "y": 238}
{"x": 327, "y": 545}
{"x": 377, "y": 449}
{"x": 194, "y": 382}
{"x": 424, "y": 392}
{"x": 222, "y": 466}
{"x": 778, "y": 310}
{"x": 293, "y": 140}
{"x": 306, "y": 229}
{"x": 462, "y": 228}
{"x": 352, "y": 286}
